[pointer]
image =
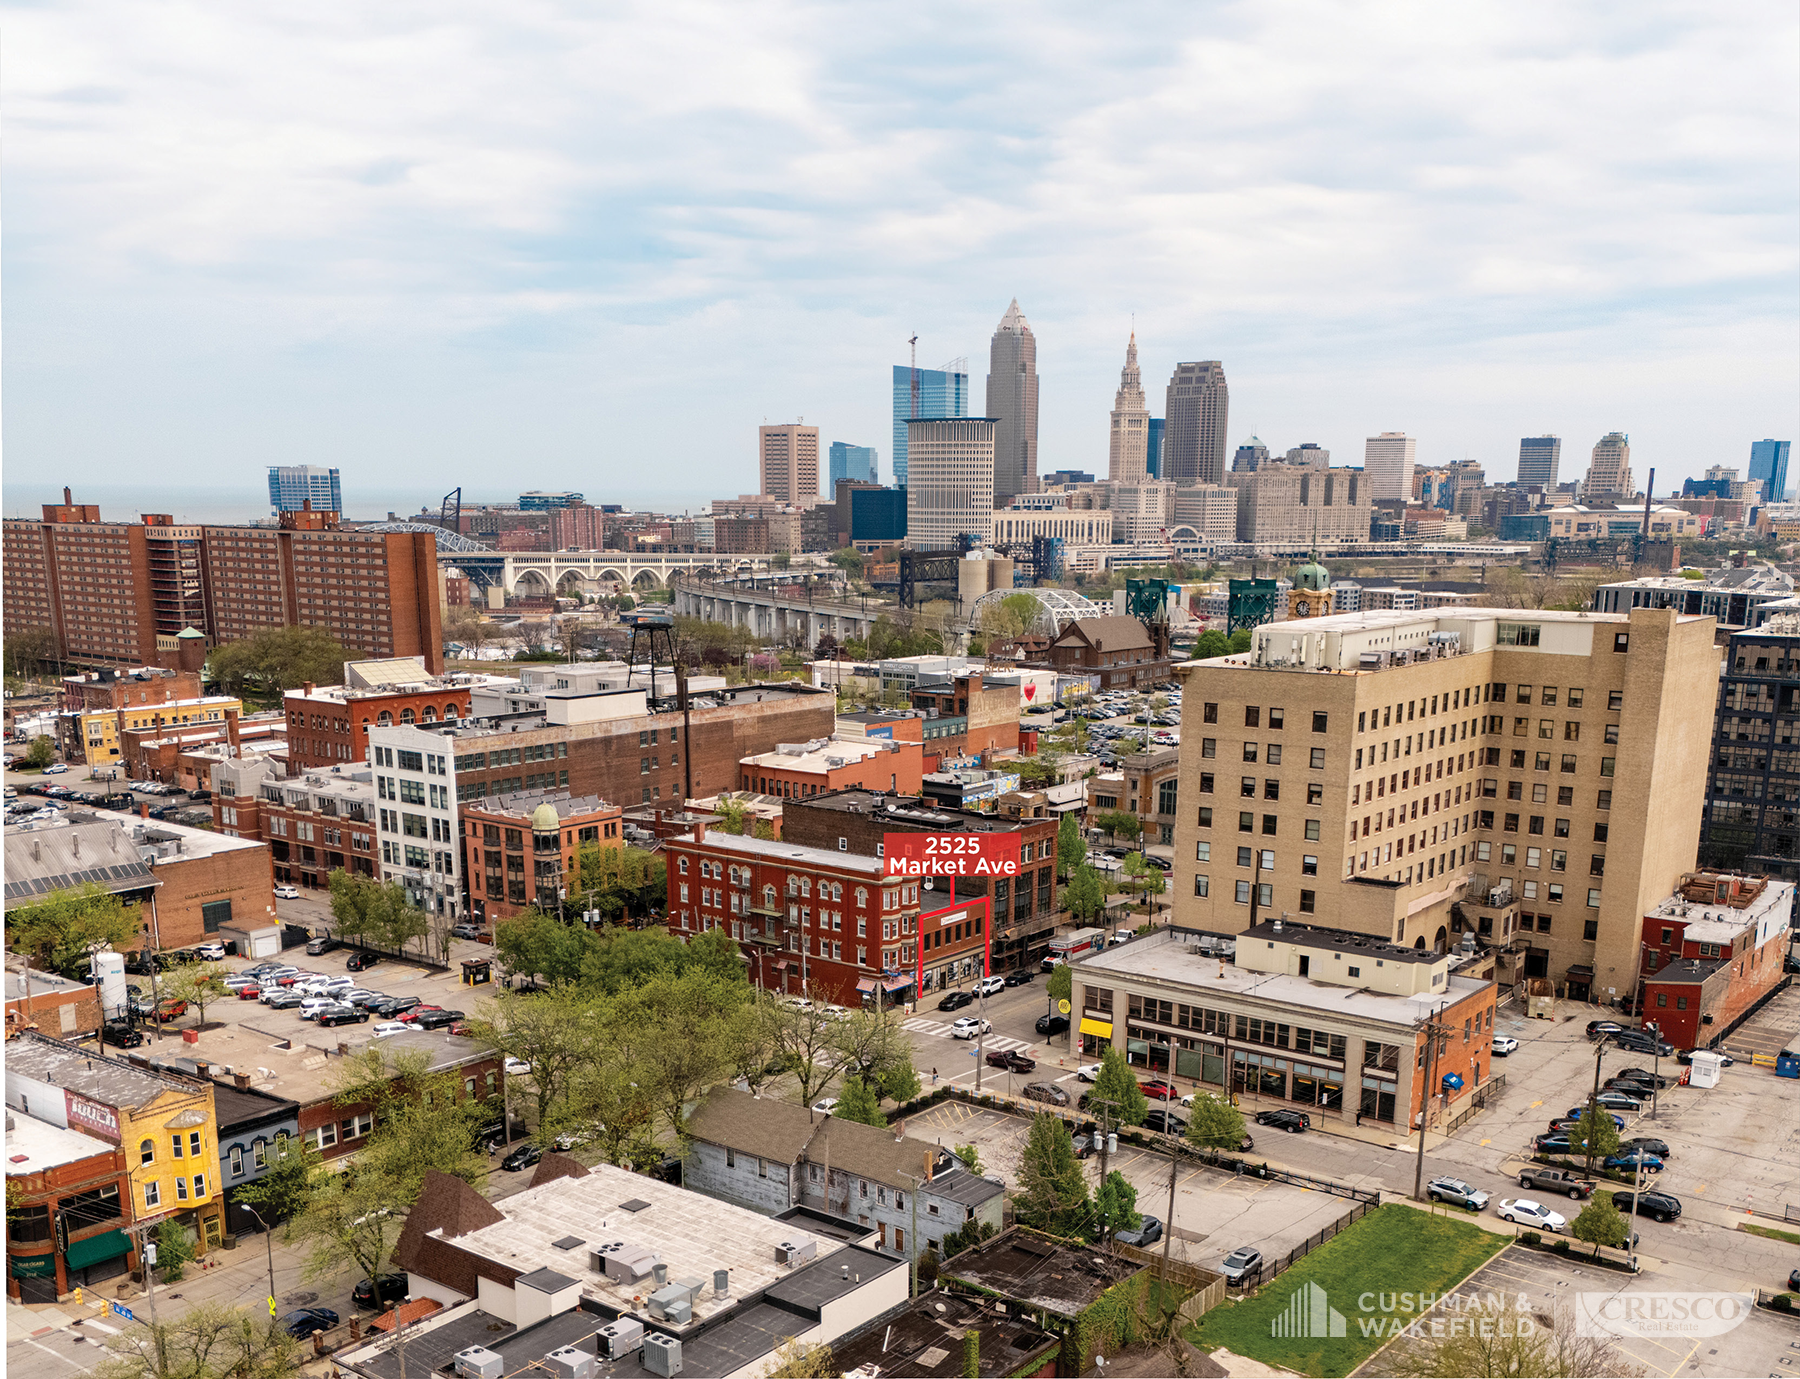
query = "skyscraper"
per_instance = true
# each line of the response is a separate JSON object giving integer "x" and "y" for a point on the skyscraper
{"x": 942, "y": 393}
{"x": 1609, "y": 473}
{"x": 1538, "y": 457}
{"x": 789, "y": 457}
{"x": 1195, "y": 416}
{"x": 291, "y": 485}
{"x": 1388, "y": 464}
{"x": 1129, "y": 446}
{"x": 1769, "y": 462}
{"x": 1249, "y": 457}
{"x": 1012, "y": 401}
{"x": 1153, "y": 449}
{"x": 950, "y": 480}
{"x": 858, "y": 462}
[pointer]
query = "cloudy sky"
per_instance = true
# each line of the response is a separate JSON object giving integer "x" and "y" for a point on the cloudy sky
{"x": 594, "y": 245}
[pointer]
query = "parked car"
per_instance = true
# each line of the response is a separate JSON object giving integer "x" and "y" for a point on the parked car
{"x": 1633, "y": 1159}
{"x": 1088, "y": 1072}
{"x": 471, "y": 931}
{"x": 1157, "y": 1090}
{"x": 1457, "y": 1193}
{"x": 1148, "y": 1232}
{"x": 990, "y": 986}
{"x": 1012, "y": 1060}
{"x": 1643, "y": 1043}
{"x": 1660, "y": 1206}
{"x": 1052, "y": 1024}
{"x": 1600, "y": 1029}
{"x": 1021, "y": 976}
{"x": 1687, "y": 1056}
{"x": 209, "y": 952}
{"x": 240, "y": 981}
{"x": 55, "y": 768}
{"x": 1649, "y": 1144}
{"x": 435, "y": 1018}
{"x": 341, "y": 1014}
{"x": 1558, "y": 1180}
{"x": 522, "y": 1158}
{"x": 970, "y": 1026}
{"x": 308, "y": 1320}
{"x": 1241, "y": 1264}
{"x": 386, "y": 1288}
{"x": 826, "y": 1105}
{"x": 1619, "y": 1099}
{"x": 286, "y": 892}
{"x": 311, "y": 1007}
{"x": 1575, "y": 1114}
{"x": 120, "y": 1034}
{"x": 395, "y": 1006}
{"x": 1504, "y": 1044}
{"x": 955, "y": 1000}
{"x": 361, "y": 962}
{"x": 1165, "y": 1123}
{"x": 1525, "y": 1212}
{"x": 1646, "y": 1077}
{"x": 171, "y": 1009}
{"x": 324, "y": 943}
{"x": 1294, "y": 1122}
{"x": 1047, "y": 1092}
{"x": 387, "y": 1027}
{"x": 283, "y": 1000}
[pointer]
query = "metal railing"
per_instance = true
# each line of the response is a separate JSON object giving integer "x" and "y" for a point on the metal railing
{"x": 1273, "y": 1268}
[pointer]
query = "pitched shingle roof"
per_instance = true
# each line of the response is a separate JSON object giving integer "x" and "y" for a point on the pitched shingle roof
{"x": 1112, "y": 633}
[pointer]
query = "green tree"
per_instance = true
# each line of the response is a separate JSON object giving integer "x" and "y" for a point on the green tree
{"x": 1211, "y": 644}
{"x": 971, "y": 1157}
{"x": 557, "y": 1032}
{"x": 62, "y": 929}
{"x": 1214, "y": 1123}
{"x": 1071, "y": 851}
{"x": 40, "y": 753}
{"x": 1145, "y": 879}
{"x": 1085, "y": 896}
{"x": 697, "y": 1019}
{"x": 1061, "y": 986}
{"x": 734, "y": 817}
{"x": 174, "y": 1249}
{"x": 857, "y": 1102}
{"x": 806, "y": 1041}
{"x": 1052, "y": 1194}
{"x": 877, "y": 1047}
{"x": 1119, "y": 823}
{"x": 1115, "y": 1207}
{"x": 285, "y": 1186}
{"x": 1594, "y": 1134}
{"x": 849, "y": 560}
{"x": 1117, "y": 1083}
{"x": 1240, "y": 641}
{"x": 542, "y": 947}
{"x": 208, "y": 1340}
{"x": 764, "y": 831}
{"x": 1601, "y": 1223}
{"x": 276, "y": 659}
{"x": 199, "y": 986}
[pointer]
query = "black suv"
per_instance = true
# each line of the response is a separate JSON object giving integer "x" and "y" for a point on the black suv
{"x": 1053, "y": 1024}
{"x": 388, "y": 1287}
{"x": 1659, "y": 1205}
{"x": 1291, "y": 1121}
{"x": 956, "y": 1000}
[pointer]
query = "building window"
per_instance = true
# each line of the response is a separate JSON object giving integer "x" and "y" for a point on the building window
{"x": 1621, "y": 641}
{"x": 1243, "y": 892}
{"x": 147, "y": 1152}
{"x": 152, "y": 1194}
{"x": 1593, "y": 899}
{"x": 1202, "y": 887}
{"x": 1306, "y": 902}
{"x": 1321, "y": 720}
{"x": 237, "y": 1161}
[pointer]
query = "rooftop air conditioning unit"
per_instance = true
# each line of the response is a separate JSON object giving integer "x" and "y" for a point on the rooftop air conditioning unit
{"x": 570, "y": 1363}
{"x": 618, "y": 1339}
{"x": 662, "y": 1354}
{"x": 478, "y": 1362}
{"x": 1500, "y": 895}
{"x": 796, "y": 1251}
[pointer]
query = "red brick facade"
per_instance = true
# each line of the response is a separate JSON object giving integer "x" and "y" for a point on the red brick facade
{"x": 96, "y": 1191}
{"x": 329, "y": 727}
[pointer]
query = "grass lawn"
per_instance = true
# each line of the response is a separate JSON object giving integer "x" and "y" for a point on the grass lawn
{"x": 1770, "y": 1233}
{"x": 1396, "y": 1249}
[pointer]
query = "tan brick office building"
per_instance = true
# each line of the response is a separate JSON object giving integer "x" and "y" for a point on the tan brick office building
{"x": 1535, "y": 778}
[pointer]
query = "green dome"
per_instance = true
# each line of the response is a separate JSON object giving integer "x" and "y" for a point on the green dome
{"x": 545, "y": 819}
{"x": 1312, "y": 575}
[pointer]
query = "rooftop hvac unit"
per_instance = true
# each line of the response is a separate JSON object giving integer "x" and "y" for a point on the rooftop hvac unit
{"x": 1500, "y": 895}
{"x": 675, "y": 1302}
{"x": 662, "y": 1354}
{"x": 622, "y": 1262}
{"x": 478, "y": 1362}
{"x": 570, "y": 1363}
{"x": 618, "y": 1339}
{"x": 679, "y": 1312}
{"x": 796, "y": 1251}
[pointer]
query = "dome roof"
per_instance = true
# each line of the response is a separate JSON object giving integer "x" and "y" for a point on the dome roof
{"x": 545, "y": 819}
{"x": 1312, "y": 575}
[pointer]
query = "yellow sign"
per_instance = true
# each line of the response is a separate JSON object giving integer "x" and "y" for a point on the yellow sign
{"x": 1063, "y": 1006}
{"x": 1100, "y": 1029}
{"x": 271, "y": 1306}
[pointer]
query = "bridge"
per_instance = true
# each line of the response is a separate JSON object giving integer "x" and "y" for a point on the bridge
{"x": 542, "y": 574}
{"x": 777, "y": 617}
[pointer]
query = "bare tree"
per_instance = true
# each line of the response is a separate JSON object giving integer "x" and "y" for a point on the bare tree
{"x": 1492, "y": 1343}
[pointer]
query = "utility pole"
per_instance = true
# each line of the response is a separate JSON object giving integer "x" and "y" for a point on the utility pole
{"x": 915, "y": 1231}
{"x": 1106, "y": 1109}
{"x": 1432, "y": 1033}
{"x": 269, "y": 1242}
{"x": 1174, "y": 1171}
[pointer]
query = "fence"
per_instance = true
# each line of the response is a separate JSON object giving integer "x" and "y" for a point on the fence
{"x": 1273, "y": 1268}
{"x": 1206, "y": 1287}
{"x": 1477, "y": 1103}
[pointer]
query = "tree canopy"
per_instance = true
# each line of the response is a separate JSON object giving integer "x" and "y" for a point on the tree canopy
{"x": 60, "y": 930}
{"x": 278, "y": 658}
{"x": 1052, "y": 1192}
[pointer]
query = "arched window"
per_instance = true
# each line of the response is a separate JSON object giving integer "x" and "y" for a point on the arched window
{"x": 406, "y": 715}
{"x": 384, "y": 719}
{"x": 768, "y": 897}
{"x": 428, "y": 714}
{"x": 862, "y": 898}
{"x": 684, "y": 862}
{"x": 449, "y": 712}
{"x": 147, "y": 1152}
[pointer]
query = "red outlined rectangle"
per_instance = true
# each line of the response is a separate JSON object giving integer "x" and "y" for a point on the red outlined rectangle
{"x": 950, "y": 854}
{"x": 952, "y": 914}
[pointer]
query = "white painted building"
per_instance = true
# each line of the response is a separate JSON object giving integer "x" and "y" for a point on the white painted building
{"x": 416, "y": 818}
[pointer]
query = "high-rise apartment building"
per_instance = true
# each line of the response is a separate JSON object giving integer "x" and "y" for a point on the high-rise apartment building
{"x": 950, "y": 480}
{"x": 1153, "y": 448}
{"x": 858, "y": 463}
{"x": 1012, "y": 401}
{"x": 1141, "y": 510}
{"x": 1534, "y": 778}
{"x": 1609, "y": 473}
{"x": 1292, "y": 504}
{"x": 1752, "y": 820}
{"x": 1196, "y": 412}
{"x": 1538, "y": 458}
{"x": 123, "y": 592}
{"x": 293, "y": 486}
{"x": 926, "y": 393}
{"x": 1128, "y": 446}
{"x": 790, "y": 461}
{"x": 1768, "y": 464}
{"x": 1388, "y": 463}
{"x": 577, "y": 527}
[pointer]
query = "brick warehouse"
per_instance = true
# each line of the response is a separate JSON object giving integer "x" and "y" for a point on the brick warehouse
{"x": 106, "y": 590}
{"x": 330, "y": 724}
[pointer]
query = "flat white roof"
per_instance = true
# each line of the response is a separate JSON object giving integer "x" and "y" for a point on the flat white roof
{"x": 818, "y": 761}
{"x": 34, "y": 1146}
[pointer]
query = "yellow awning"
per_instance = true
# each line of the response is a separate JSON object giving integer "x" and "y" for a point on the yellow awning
{"x": 1100, "y": 1028}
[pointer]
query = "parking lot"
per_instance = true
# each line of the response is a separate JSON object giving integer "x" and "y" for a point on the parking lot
{"x": 1215, "y": 1212}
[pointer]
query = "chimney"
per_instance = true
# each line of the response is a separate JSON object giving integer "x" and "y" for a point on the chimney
{"x": 306, "y": 687}
{"x": 143, "y": 810}
{"x": 699, "y": 830}
{"x": 231, "y": 733}
{"x": 306, "y": 505}
{"x": 75, "y": 844}
{"x": 242, "y": 1080}
{"x": 68, "y": 496}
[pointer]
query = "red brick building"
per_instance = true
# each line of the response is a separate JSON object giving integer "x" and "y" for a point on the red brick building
{"x": 964, "y": 718}
{"x": 797, "y": 770}
{"x": 328, "y": 725}
{"x": 57, "y": 1006}
{"x": 318, "y": 822}
{"x": 521, "y": 850}
{"x": 1114, "y": 652}
{"x": 54, "y": 1172}
{"x": 1711, "y": 952}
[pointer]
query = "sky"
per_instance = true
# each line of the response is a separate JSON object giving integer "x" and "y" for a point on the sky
{"x": 540, "y": 245}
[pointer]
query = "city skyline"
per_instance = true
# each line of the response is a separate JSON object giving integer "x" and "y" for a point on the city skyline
{"x": 421, "y": 277}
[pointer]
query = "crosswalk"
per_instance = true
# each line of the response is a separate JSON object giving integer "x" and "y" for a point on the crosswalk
{"x": 937, "y": 1029}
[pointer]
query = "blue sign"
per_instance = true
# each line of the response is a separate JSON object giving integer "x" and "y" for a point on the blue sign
{"x": 119, "y": 1309}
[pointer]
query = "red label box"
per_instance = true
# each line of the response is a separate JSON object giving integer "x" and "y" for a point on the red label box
{"x": 951, "y": 854}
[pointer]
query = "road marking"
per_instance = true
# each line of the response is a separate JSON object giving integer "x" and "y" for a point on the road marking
{"x": 99, "y": 1326}
{"x": 72, "y": 1364}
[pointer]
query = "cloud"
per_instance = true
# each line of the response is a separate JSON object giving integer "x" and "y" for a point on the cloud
{"x": 596, "y": 244}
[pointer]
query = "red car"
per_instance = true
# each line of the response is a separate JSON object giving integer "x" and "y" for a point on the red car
{"x": 410, "y": 1015}
{"x": 1159, "y": 1091}
{"x": 249, "y": 993}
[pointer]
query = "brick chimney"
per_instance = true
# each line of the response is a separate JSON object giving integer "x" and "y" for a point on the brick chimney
{"x": 231, "y": 733}
{"x": 699, "y": 830}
